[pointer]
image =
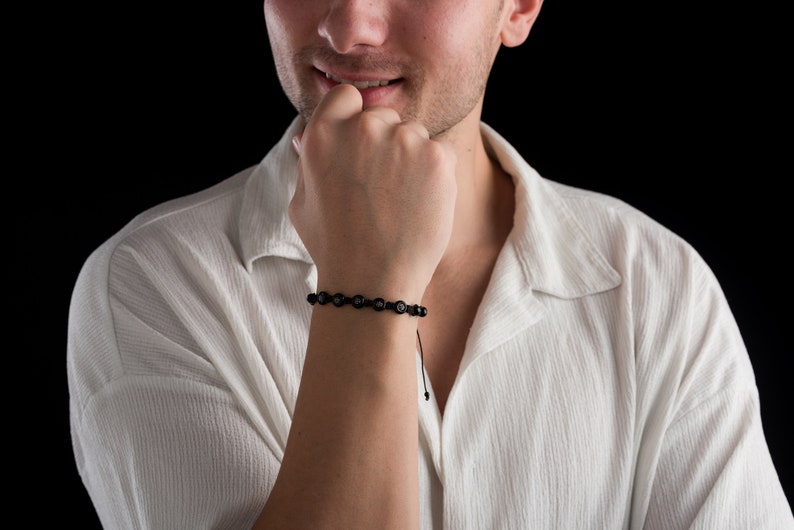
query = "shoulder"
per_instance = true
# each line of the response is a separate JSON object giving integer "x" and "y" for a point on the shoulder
{"x": 203, "y": 212}
{"x": 132, "y": 266}
{"x": 599, "y": 211}
{"x": 610, "y": 223}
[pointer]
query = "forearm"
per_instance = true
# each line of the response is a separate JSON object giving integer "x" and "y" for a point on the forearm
{"x": 373, "y": 204}
{"x": 351, "y": 456}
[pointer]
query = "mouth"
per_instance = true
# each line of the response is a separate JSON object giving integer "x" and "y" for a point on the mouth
{"x": 361, "y": 85}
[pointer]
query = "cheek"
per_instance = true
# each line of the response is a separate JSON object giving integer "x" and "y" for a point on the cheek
{"x": 447, "y": 29}
{"x": 286, "y": 19}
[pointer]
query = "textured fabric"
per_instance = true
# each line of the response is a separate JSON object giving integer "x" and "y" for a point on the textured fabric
{"x": 604, "y": 382}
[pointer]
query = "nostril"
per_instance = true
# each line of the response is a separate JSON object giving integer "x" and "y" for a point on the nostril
{"x": 353, "y": 24}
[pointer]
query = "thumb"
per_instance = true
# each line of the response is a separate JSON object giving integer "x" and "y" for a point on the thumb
{"x": 341, "y": 102}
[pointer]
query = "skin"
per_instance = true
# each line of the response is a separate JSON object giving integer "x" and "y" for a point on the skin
{"x": 385, "y": 42}
{"x": 396, "y": 197}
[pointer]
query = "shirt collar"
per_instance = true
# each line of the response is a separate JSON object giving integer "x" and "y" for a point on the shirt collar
{"x": 264, "y": 224}
{"x": 556, "y": 254}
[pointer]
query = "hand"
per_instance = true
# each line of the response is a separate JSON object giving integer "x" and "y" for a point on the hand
{"x": 375, "y": 197}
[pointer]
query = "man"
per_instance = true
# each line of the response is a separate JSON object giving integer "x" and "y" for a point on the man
{"x": 583, "y": 367}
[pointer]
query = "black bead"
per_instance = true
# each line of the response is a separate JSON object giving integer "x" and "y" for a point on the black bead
{"x": 339, "y": 300}
{"x": 400, "y": 307}
{"x": 323, "y": 298}
{"x": 358, "y": 301}
{"x": 378, "y": 304}
{"x": 311, "y": 298}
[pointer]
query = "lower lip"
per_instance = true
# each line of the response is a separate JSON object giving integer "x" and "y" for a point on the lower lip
{"x": 376, "y": 95}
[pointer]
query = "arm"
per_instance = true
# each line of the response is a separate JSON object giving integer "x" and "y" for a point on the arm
{"x": 711, "y": 464}
{"x": 373, "y": 206}
{"x": 352, "y": 448}
{"x": 160, "y": 439}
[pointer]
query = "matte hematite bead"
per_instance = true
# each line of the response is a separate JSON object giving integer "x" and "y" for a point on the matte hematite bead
{"x": 358, "y": 301}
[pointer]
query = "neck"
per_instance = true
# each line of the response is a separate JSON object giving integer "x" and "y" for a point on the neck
{"x": 485, "y": 201}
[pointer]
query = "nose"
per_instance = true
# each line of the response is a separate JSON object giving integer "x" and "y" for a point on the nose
{"x": 349, "y": 24}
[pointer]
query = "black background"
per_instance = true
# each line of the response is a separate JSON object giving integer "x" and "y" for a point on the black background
{"x": 678, "y": 110}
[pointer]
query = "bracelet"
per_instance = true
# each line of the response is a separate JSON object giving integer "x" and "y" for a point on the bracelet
{"x": 358, "y": 301}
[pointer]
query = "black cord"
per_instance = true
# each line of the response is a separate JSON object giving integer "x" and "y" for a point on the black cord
{"x": 422, "y": 357}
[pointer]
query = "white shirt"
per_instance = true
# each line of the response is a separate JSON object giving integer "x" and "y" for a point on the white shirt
{"x": 604, "y": 382}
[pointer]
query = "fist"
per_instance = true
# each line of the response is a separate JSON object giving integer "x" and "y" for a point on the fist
{"x": 375, "y": 197}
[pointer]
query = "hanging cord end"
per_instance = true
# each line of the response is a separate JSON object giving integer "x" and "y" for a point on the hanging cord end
{"x": 422, "y": 357}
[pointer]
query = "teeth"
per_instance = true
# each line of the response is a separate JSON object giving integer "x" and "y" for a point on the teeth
{"x": 358, "y": 84}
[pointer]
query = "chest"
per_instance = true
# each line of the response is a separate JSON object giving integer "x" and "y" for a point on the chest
{"x": 453, "y": 298}
{"x": 540, "y": 421}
